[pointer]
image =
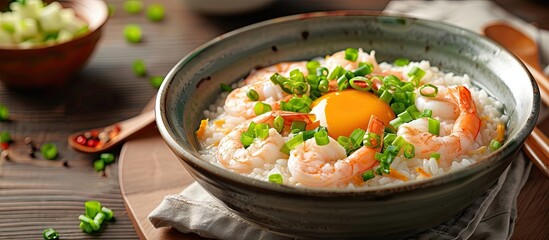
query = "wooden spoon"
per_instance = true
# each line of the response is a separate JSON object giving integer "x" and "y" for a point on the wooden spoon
{"x": 127, "y": 128}
{"x": 537, "y": 144}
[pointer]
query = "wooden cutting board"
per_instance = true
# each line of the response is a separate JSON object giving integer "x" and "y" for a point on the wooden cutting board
{"x": 148, "y": 171}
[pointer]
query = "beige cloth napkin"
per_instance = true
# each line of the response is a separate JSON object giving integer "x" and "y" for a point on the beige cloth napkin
{"x": 492, "y": 216}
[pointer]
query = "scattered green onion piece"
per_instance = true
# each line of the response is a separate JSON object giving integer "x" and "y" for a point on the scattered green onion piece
{"x": 336, "y": 73}
{"x": 400, "y": 62}
{"x": 155, "y": 12}
{"x": 342, "y": 83}
{"x": 133, "y": 6}
{"x": 92, "y": 208}
{"x": 132, "y": 33}
{"x": 364, "y": 68}
{"x": 260, "y": 108}
{"x": 399, "y": 142}
{"x": 298, "y": 126}
{"x": 225, "y": 87}
{"x": 50, "y": 234}
{"x": 94, "y": 225}
{"x": 4, "y": 113}
{"x": 139, "y": 68}
{"x": 246, "y": 139}
{"x": 372, "y": 140}
{"x": 353, "y": 82}
{"x": 108, "y": 158}
{"x": 434, "y": 126}
{"x": 368, "y": 175}
{"x": 278, "y": 123}
{"x": 99, "y": 217}
{"x": 321, "y": 138}
{"x": 5, "y": 137}
{"x": 398, "y": 107}
{"x": 299, "y": 88}
{"x": 346, "y": 143}
{"x": 312, "y": 66}
{"x": 351, "y": 54}
{"x": 357, "y": 136}
{"x": 386, "y": 96}
{"x": 86, "y": 227}
{"x": 322, "y": 71}
{"x": 431, "y": 89}
{"x": 389, "y": 138}
{"x": 85, "y": 218}
{"x": 396, "y": 123}
{"x": 292, "y": 143}
{"x": 156, "y": 81}
{"x": 109, "y": 214}
{"x": 49, "y": 151}
{"x": 308, "y": 134}
{"x": 416, "y": 72}
{"x": 407, "y": 87}
{"x": 262, "y": 131}
{"x": 99, "y": 165}
{"x": 494, "y": 145}
{"x": 427, "y": 113}
{"x": 414, "y": 81}
{"x": 277, "y": 79}
{"x": 252, "y": 95}
{"x": 323, "y": 86}
{"x": 435, "y": 155}
{"x": 251, "y": 129}
{"x": 413, "y": 111}
{"x": 276, "y": 178}
{"x": 297, "y": 76}
{"x": 409, "y": 150}
{"x": 405, "y": 116}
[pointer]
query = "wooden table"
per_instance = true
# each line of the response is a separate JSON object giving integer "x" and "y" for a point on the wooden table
{"x": 34, "y": 197}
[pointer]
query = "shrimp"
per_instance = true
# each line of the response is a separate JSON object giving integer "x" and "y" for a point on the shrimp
{"x": 234, "y": 156}
{"x": 328, "y": 165}
{"x": 338, "y": 59}
{"x": 441, "y": 107}
{"x": 458, "y": 141}
{"x": 283, "y": 68}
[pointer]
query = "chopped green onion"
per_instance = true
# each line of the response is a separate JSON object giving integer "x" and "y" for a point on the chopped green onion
{"x": 99, "y": 217}
{"x": 99, "y": 165}
{"x": 278, "y": 79}
{"x": 276, "y": 178}
{"x": 357, "y": 136}
{"x": 434, "y": 126}
{"x": 399, "y": 142}
{"x": 409, "y": 150}
{"x": 398, "y": 107}
{"x": 252, "y": 95}
{"x": 92, "y": 208}
{"x": 133, "y": 6}
{"x": 322, "y": 71}
{"x": 297, "y": 104}
{"x": 412, "y": 110}
{"x": 321, "y": 138}
{"x": 139, "y": 68}
{"x": 85, "y": 218}
{"x": 386, "y": 96}
{"x": 309, "y": 134}
{"x": 435, "y": 155}
{"x": 368, "y": 175}
{"x": 396, "y": 122}
{"x": 416, "y": 72}
{"x": 246, "y": 139}
{"x": 94, "y": 225}
{"x": 407, "y": 87}
{"x": 86, "y": 227}
{"x": 155, "y": 12}
{"x": 494, "y": 145}
{"x": 109, "y": 214}
{"x": 298, "y": 126}
{"x": 5, "y": 137}
{"x": 427, "y": 113}
{"x": 50, "y": 234}
{"x": 323, "y": 86}
{"x": 405, "y": 116}
{"x": 336, "y": 73}
{"x": 342, "y": 83}
{"x": 4, "y": 113}
{"x": 346, "y": 143}
{"x": 312, "y": 66}
{"x": 262, "y": 131}
{"x": 260, "y": 108}
{"x": 389, "y": 138}
{"x": 367, "y": 82}
{"x": 351, "y": 54}
{"x": 251, "y": 129}
{"x": 299, "y": 88}
{"x": 372, "y": 140}
{"x": 108, "y": 158}
{"x": 156, "y": 81}
{"x": 225, "y": 87}
{"x": 364, "y": 68}
{"x": 428, "y": 90}
{"x": 292, "y": 143}
{"x": 296, "y": 76}
{"x": 278, "y": 123}
{"x": 400, "y": 62}
{"x": 49, "y": 151}
{"x": 132, "y": 33}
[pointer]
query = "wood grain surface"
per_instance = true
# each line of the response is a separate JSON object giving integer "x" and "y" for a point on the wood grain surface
{"x": 35, "y": 195}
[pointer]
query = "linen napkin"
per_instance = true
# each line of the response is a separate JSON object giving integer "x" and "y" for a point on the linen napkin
{"x": 492, "y": 216}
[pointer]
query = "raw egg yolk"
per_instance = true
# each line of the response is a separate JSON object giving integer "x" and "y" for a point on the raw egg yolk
{"x": 344, "y": 111}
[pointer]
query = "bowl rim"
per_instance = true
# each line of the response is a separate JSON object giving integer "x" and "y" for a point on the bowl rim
{"x": 201, "y": 165}
{"x": 104, "y": 16}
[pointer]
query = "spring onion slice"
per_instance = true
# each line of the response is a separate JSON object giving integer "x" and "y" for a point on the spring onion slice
{"x": 86, "y": 227}
{"x": 109, "y": 214}
{"x": 416, "y": 72}
{"x": 389, "y": 138}
{"x": 278, "y": 123}
{"x": 299, "y": 88}
{"x": 322, "y": 71}
{"x": 366, "y": 84}
{"x": 260, "y": 108}
{"x": 372, "y": 140}
{"x": 428, "y": 90}
{"x": 4, "y": 113}
{"x": 400, "y": 62}
{"x": 346, "y": 143}
{"x": 99, "y": 165}
{"x": 409, "y": 150}
{"x": 92, "y": 208}
{"x": 357, "y": 136}
{"x": 49, "y": 151}
{"x": 435, "y": 155}
{"x": 364, "y": 68}
{"x": 405, "y": 116}
{"x": 321, "y": 138}
{"x": 395, "y": 123}
{"x": 108, "y": 158}
{"x": 225, "y": 87}
{"x": 252, "y": 95}
{"x": 246, "y": 139}
{"x": 261, "y": 131}
{"x": 276, "y": 178}
{"x": 494, "y": 145}
{"x": 342, "y": 83}
{"x": 434, "y": 126}
{"x": 398, "y": 107}
{"x": 399, "y": 142}
{"x": 323, "y": 86}
{"x": 312, "y": 66}
{"x": 427, "y": 113}
{"x": 292, "y": 143}
{"x": 386, "y": 96}
{"x": 368, "y": 175}
{"x": 298, "y": 126}
{"x": 50, "y": 234}
{"x": 351, "y": 54}
{"x": 336, "y": 73}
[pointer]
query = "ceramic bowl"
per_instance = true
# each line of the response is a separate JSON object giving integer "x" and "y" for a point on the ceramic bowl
{"x": 53, "y": 65}
{"x": 380, "y": 212}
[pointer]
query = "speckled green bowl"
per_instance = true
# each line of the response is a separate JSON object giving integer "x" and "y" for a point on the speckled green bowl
{"x": 382, "y": 212}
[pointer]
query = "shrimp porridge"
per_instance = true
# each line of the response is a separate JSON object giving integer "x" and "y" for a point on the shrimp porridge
{"x": 346, "y": 121}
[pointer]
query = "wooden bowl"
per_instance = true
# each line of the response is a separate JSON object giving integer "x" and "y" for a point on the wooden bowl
{"x": 53, "y": 65}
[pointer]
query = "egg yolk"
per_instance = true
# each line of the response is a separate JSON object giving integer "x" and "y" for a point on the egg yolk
{"x": 344, "y": 111}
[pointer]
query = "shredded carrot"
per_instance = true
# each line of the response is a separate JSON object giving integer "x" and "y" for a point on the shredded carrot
{"x": 202, "y": 128}
{"x": 500, "y": 130}
{"x": 423, "y": 172}
{"x": 219, "y": 123}
{"x": 396, "y": 174}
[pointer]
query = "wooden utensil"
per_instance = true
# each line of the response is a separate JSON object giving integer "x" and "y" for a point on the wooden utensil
{"x": 537, "y": 144}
